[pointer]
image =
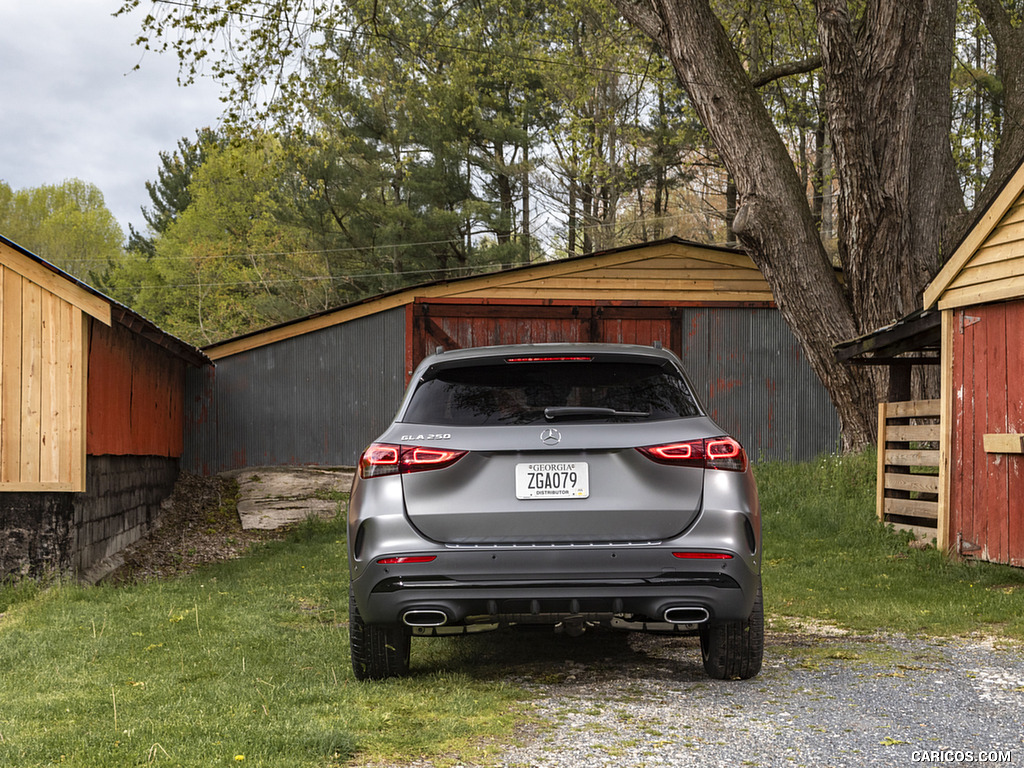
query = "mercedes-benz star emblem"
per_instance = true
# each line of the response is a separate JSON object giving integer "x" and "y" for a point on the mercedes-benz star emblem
{"x": 550, "y": 437}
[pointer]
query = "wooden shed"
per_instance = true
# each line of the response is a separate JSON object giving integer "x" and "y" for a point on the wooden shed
{"x": 92, "y": 421}
{"x": 318, "y": 389}
{"x": 980, "y": 293}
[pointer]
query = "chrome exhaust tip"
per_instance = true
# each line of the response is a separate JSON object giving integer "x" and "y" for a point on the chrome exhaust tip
{"x": 687, "y": 615}
{"x": 425, "y": 617}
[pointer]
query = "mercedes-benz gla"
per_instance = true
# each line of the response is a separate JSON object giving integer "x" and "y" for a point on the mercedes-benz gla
{"x": 561, "y": 484}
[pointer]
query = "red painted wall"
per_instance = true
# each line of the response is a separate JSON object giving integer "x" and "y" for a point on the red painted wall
{"x": 452, "y": 324}
{"x": 987, "y": 490}
{"x": 136, "y": 395}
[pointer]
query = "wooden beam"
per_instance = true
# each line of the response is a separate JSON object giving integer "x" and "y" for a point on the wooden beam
{"x": 880, "y": 469}
{"x": 946, "y": 433}
{"x": 1003, "y": 443}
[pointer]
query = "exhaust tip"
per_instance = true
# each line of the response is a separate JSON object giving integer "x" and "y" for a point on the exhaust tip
{"x": 687, "y": 615}
{"x": 425, "y": 617}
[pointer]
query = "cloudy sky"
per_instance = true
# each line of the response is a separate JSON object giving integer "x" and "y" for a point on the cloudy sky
{"x": 71, "y": 106}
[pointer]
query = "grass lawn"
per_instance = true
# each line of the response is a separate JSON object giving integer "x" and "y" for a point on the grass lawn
{"x": 828, "y": 557}
{"x": 246, "y": 663}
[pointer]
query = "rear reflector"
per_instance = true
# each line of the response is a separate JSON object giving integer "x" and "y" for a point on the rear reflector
{"x": 383, "y": 459}
{"x": 406, "y": 559}
{"x": 702, "y": 555}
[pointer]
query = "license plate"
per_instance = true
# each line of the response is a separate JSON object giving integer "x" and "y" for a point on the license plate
{"x": 553, "y": 480}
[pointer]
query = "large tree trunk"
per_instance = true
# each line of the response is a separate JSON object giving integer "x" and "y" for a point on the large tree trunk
{"x": 873, "y": 91}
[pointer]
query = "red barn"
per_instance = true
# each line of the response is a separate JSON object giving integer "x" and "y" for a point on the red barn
{"x": 980, "y": 293}
{"x": 92, "y": 425}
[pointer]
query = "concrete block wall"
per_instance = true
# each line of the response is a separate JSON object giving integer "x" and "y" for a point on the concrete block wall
{"x": 73, "y": 532}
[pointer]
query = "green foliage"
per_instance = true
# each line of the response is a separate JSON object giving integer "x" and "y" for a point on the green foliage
{"x": 67, "y": 224}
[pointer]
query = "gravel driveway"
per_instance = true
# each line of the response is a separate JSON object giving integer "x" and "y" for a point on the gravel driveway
{"x": 823, "y": 699}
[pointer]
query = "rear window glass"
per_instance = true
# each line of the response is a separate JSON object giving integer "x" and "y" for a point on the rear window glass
{"x": 519, "y": 393}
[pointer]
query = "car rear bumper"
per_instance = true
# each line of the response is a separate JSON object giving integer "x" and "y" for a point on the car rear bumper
{"x": 517, "y": 585}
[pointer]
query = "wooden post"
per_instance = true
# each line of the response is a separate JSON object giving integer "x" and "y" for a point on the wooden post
{"x": 880, "y": 473}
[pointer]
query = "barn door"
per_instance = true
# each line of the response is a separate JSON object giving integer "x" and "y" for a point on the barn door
{"x": 986, "y": 483}
{"x": 458, "y": 325}
{"x": 455, "y": 326}
{"x": 638, "y": 325}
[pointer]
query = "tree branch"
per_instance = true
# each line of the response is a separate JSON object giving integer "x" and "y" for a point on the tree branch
{"x": 771, "y": 74}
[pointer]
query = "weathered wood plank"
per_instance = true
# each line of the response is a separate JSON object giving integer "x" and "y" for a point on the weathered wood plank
{"x": 51, "y": 406}
{"x": 78, "y": 376}
{"x": 912, "y": 433}
{"x": 911, "y": 408}
{"x": 912, "y": 458}
{"x": 912, "y": 508}
{"x": 920, "y": 483}
{"x": 1015, "y": 423}
{"x": 10, "y": 429}
{"x": 1003, "y": 443}
{"x": 946, "y": 420}
{"x": 920, "y": 532}
{"x": 3, "y": 327}
{"x": 31, "y": 379}
{"x": 880, "y": 462}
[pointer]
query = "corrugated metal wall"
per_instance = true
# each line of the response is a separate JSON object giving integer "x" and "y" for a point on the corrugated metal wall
{"x": 316, "y": 399}
{"x": 321, "y": 397}
{"x": 752, "y": 376}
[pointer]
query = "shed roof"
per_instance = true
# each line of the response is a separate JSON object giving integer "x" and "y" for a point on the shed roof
{"x": 92, "y": 302}
{"x": 672, "y": 269}
{"x": 988, "y": 265}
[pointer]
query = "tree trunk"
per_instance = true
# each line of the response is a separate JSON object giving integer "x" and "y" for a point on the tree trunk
{"x": 773, "y": 222}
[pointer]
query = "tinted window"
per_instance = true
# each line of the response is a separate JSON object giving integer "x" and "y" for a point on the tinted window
{"x": 518, "y": 393}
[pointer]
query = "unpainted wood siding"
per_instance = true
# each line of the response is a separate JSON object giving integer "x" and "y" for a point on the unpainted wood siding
{"x": 996, "y": 270}
{"x": 43, "y": 369}
{"x": 136, "y": 396}
{"x": 986, "y": 490}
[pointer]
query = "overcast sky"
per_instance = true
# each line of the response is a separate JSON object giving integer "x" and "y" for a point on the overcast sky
{"x": 71, "y": 106}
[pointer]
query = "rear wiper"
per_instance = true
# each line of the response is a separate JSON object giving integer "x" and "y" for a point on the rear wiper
{"x": 569, "y": 412}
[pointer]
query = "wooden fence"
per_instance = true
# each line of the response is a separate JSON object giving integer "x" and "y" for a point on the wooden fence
{"x": 908, "y": 466}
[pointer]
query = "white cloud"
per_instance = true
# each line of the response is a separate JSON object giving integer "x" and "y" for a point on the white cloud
{"x": 71, "y": 105}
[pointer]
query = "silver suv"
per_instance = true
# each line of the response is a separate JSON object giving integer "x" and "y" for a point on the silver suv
{"x": 568, "y": 485}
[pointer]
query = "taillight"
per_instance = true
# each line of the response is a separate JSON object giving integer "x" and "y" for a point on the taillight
{"x": 383, "y": 459}
{"x": 550, "y": 359}
{"x": 710, "y": 453}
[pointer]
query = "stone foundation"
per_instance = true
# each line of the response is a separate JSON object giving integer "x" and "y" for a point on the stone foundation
{"x": 43, "y": 533}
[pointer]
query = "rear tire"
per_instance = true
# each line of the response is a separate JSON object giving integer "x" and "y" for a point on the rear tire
{"x": 734, "y": 650}
{"x": 377, "y": 652}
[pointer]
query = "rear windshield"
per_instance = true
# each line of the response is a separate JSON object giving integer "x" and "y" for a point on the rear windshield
{"x": 519, "y": 393}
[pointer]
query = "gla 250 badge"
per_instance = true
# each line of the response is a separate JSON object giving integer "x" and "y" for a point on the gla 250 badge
{"x": 427, "y": 437}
